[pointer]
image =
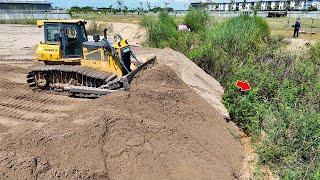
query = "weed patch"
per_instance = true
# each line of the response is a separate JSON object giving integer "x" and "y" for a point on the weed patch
{"x": 284, "y": 102}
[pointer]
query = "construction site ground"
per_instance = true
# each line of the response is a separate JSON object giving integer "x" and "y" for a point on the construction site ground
{"x": 169, "y": 125}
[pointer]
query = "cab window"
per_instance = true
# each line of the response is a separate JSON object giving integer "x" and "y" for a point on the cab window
{"x": 50, "y": 31}
{"x": 71, "y": 32}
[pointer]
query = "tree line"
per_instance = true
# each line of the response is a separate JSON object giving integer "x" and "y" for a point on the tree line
{"x": 121, "y": 8}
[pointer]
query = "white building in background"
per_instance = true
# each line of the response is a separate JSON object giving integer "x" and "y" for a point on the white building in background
{"x": 262, "y": 5}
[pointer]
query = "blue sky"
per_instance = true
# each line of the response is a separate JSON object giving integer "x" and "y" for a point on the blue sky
{"x": 176, "y": 4}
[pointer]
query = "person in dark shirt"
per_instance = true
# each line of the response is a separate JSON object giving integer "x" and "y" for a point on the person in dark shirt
{"x": 297, "y": 27}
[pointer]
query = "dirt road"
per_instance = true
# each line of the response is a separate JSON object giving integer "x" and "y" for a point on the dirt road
{"x": 18, "y": 41}
{"x": 161, "y": 129}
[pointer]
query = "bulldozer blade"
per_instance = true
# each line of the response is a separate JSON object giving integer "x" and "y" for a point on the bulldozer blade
{"x": 87, "y": 90}
{"x": 126, "y": 80}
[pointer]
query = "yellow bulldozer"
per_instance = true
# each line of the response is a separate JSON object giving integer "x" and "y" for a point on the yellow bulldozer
{"x": 68, "y": 62}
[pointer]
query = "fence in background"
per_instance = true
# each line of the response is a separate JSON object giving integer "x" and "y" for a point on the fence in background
{"x": 61, "y": 14}
{"x": 33, "y": 14}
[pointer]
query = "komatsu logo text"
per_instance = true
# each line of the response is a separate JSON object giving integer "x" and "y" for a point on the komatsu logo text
{"x": 52, "y": 50}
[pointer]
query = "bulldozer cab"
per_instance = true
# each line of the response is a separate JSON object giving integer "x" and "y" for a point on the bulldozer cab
{"x": 70, "y": 35}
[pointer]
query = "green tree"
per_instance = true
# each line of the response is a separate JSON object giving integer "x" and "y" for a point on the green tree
{"x": 140, "y": 8}
{"x": 120, "y": 5}
{"x": 87, "y": 9}
{"x": 75, "y": 9}
{"x": 166, "y": 5}
{"x": 125, "y": 10}
{"x": 256, "y": 8}
{"x": 230, "y": 5}
{"x": 244, "y": 4}
{"x": 149, "y": 6}
{"x": 110, "y": 8}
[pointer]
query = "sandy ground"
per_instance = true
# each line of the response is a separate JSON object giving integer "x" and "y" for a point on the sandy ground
{"x": 199, "y": 81}
{"x": 297, "y": 45}
{"x": 19, "y": 41}
{"x": 134, "y": 33}
{"x": 170, "y": 125}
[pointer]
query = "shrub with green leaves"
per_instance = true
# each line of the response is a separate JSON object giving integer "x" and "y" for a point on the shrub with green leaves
{"x": 241, "y": 35}
{"x": 282, "y": 110}
{"x": 231, "y": 44}
{"x": 197, "y": 19}
{"x": 163, "y": 33}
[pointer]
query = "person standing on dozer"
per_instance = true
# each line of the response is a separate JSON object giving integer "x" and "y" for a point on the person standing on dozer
{"x": 297, "y": 27}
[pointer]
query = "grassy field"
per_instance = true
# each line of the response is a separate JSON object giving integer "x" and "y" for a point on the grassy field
{"x": 278, "y": 26}
{"x": 282, "y": 26}
{"x": 281, "y": 112}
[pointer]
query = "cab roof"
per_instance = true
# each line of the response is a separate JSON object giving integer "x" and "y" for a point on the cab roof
{"x": 41, "y": 23}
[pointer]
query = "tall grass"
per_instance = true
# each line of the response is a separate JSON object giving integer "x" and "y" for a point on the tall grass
{"x": 282, "y": 110}
{"x": 243, "y": 37}
{"x": 197, "y": 19}
{"x": 163, "y": 33}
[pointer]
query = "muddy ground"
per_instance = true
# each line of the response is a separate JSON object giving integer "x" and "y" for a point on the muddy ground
{"x": 170, "y": 125}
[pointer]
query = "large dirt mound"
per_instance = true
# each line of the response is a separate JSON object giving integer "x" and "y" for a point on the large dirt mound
{"x": 199, "y": 81}
{"x": 160, "y": 129}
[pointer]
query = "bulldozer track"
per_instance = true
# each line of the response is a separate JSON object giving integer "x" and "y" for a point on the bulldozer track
{"x": 19, "y": 103}
{"x": 56, "y": 78}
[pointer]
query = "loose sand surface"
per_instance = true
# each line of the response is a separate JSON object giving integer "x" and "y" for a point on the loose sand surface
{"x": 169, "y": 125}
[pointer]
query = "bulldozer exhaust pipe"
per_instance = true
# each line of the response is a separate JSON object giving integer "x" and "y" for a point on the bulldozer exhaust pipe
{"x": 105, "y": 33}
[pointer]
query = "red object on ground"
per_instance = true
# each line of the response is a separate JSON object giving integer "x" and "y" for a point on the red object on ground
{"x": 243, "y": 85}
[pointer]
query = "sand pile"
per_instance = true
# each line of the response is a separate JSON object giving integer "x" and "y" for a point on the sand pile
{"x": 200, "y": 82}
{"x": 160, "y": 129}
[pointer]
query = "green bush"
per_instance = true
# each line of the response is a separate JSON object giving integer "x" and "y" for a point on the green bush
{"x": 284, "y": 104}
{"x": 240, "y": 36}
{"x": 315, "y": 53}
{"x": 297, "y": 111}
{"x": 282, "y": 110}
{"x": 146, "y": 21}
{"x": 229, "y": 45}
{"x": 163, "y": 33}
{"x": 197, "y": 19}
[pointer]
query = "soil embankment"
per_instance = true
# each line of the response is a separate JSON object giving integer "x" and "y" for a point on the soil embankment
{"x": 160, "y": 129}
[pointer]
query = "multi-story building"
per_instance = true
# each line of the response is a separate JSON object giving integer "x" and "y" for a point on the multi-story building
{"x": 24, "y": 5}
{"x": 260, "y": 5}
{"x": 30, "y": 9}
